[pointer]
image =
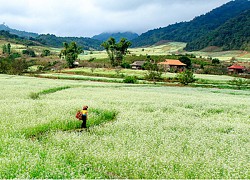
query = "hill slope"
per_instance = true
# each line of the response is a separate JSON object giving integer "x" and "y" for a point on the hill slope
{"x": 198, "y": 27}
{"x": 54, "y": 41}
{"x": 17, "y": 32}
{"x": 234, "y": 34}
{"x": 5, "y": 35}
{"x": 29, "y": 38}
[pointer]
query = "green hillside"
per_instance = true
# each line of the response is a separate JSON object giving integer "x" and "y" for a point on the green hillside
{"x": 5, "y": 35}
{"x": 233, "y": 35}
{"x": 198, "y": 27}
{"x": 18, "y": 32}
{"x": 54, "y": 41}
{"x": 51, "y": 40}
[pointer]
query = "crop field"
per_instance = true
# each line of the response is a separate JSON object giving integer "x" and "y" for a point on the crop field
{"x": 168, "y": 48}
{"x": 135, "y": 131}
{"x": 139, "y": 73}
{"x": 225, "y": 55}
{"x": 173, "y": 48}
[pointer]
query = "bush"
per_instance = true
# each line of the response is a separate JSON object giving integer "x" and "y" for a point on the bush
{"x": 125, "y": 65}
{"x": 186, "y": 77}
{"x": 215, "y": 61}
{"x": 45, "y": 52}
{"x": 29, "y": 52}
{"x": 186, "y": 60}
{"x": 130, "y": 79}
{"x": 240, "y": 83}
{"x": 154, "y": 72}
{"x": 13, "y": 66}
{"x": 34, "y": 96}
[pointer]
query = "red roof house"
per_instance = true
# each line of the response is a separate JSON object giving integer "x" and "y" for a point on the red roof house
{"x": 168, "y": 64}
{"x": 236, "y": 69}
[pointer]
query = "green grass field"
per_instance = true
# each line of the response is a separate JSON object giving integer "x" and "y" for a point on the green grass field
{"x": 164, "y": 49}
{"x": 173, "y": 48}
{"x": 136, "y": 131}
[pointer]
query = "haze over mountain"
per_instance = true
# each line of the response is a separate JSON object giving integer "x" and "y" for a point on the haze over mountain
{"x": 226, "y": 26}
{"x": 117, "y": 36}
{"x": 18, "y": 32}
{"x": 86, "y": 18}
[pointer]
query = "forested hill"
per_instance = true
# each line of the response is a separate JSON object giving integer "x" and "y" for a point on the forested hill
{"x": 5, "y": 35}
{"x": 17, "y": 32}
{"x": 105, "y": 36}
{"x": 54, "y": 41}
{"x": 29, "y": 38}
{"x": 234, "y": 34}
{"x": 196, "y": 28}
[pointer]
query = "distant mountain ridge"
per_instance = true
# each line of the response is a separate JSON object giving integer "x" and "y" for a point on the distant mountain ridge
{"x": 227, "y": 27}
{"x": 118, "y": 35}
{"x": 54, "y": 41}
{"x": 196, "y": 28}
{"x": 5, "y": 35}
{"x": 17, "y": 32}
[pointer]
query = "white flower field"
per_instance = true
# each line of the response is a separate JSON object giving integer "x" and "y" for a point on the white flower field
{"x": 157, "y": 132}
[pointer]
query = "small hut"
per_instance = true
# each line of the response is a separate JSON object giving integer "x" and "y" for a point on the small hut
{"x": 137, "y": 64}
{"x": 236, "y": 69}
{"x": 169, "y": 64}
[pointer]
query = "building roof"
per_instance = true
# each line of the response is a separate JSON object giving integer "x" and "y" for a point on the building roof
{"x": 172, "y": 62}
{"x": 138, "y": 63}
{"x": 235, "y": 66}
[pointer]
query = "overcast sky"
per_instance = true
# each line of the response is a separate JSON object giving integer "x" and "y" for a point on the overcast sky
{"x": 86, "y": 18}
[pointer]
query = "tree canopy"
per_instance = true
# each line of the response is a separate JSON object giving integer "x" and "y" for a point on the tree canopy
{"x": 116, "y": 51}
{"x": 71, "y": 52}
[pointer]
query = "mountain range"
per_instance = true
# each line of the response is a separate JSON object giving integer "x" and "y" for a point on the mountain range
{"x": 227, "y": 27}
{"x": 117, "y": 35}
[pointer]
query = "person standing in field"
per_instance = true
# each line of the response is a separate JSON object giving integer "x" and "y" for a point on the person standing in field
{"x": 84, "y": 112}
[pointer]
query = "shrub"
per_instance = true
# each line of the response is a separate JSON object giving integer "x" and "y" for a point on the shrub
{"x": 154, "y": 72}
{"x": 240, "y": 83}
{"x": 186, "y": 60}
{"x": 13, "y": 66}
{"x": 45, "y": 52}
{"x": 130, "y": 79}
{"x": 125, "y": 65}
{"x": 215, "y": 61}
{"x": 33, "y": 95}
{"x": 186, "y": 77}
{"x": 29, "y": 52}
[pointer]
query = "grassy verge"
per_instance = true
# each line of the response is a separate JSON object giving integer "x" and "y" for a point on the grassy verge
{"x": 34, "y": 95}
{"x": 97, "y": 117}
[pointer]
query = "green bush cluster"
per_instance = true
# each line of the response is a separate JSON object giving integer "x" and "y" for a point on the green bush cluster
{"x": 186, "y": 77}
{"x": 10, "y": 65}
{"x": 130, "y": 79}
{"x": 240, "y": 83}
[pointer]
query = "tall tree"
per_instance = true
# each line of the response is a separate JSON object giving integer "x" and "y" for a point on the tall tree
{"x": 6, "y": 48}
{"x": 186, "y": 60}
{"x": 116, "y": 51}
{"x": 71, "y": 52}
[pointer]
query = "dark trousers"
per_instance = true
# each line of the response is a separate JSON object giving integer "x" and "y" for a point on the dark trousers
{"x": 84, "y": 121}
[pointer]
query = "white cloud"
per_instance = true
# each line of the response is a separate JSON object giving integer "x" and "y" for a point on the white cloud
{"x": 90, "y": 17}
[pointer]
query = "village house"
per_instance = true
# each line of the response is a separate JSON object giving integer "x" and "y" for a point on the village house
{"x": 172, "y": 65}
{"x": 236, "y": 69}
{"x": 137, "y": 64}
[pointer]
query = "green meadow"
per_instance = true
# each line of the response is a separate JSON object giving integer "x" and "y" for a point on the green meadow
{"x": 134, "y": 131}
{"x": 173, "y": 48}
